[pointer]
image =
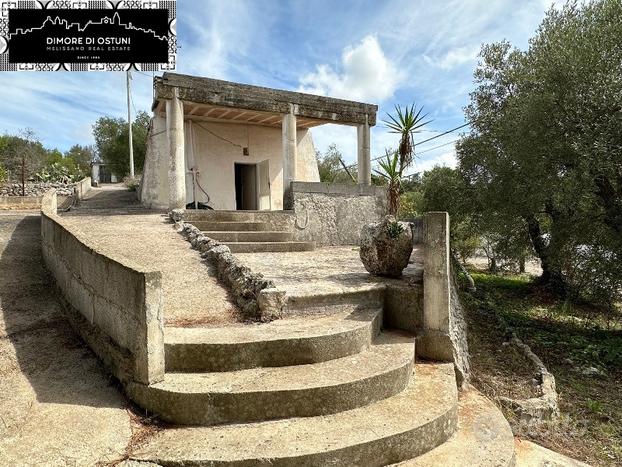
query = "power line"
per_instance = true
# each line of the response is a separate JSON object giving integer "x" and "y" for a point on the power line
{"x": 424, "y": 141}
{"x": 436, "y": 147}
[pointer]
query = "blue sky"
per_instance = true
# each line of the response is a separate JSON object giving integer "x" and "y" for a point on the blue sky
{"x": 382, "y": 52}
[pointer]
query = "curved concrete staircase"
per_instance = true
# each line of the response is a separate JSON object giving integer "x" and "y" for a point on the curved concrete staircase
{"x": 325, "y": 389}
{"x": 249, "y": 231}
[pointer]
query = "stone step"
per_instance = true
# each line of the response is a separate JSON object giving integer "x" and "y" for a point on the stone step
{"x": 291, "y": 391}
{"x": 257, "y": 236}
{"x": 191, "y": 216}
{"x": 207, "y": 226}
{"x": 406, "y": 425}
{"x": 282, "y": 342}
{"x": 483, "y": 438}
{"x": 269, "y": 247}
{"x": 326, "y": 302}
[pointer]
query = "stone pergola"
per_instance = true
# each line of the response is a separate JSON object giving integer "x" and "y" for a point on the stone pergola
{"x": 179, "y": 96}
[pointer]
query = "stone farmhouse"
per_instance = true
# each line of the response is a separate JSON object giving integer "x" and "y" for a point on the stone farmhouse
{"x": 243, "y": 144}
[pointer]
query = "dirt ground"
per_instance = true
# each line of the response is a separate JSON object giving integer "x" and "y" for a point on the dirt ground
{"x": 57, "y": 404}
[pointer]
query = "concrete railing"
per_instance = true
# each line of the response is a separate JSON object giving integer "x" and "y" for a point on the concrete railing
{"x": 115, "y": 305}
{"x": 443, "y": 334}
{"x": 334, "y": 214}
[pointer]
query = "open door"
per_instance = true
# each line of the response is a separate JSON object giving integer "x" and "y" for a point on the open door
{"x": 263, "y": 182}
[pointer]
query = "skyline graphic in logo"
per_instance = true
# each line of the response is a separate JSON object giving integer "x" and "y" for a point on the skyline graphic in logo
{"x": 115, "y": 38}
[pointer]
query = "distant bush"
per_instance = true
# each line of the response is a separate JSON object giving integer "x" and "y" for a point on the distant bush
{"x": 132, "y": 184}
{"x": 3, "y": 174}
{"x": 56, "y": 172}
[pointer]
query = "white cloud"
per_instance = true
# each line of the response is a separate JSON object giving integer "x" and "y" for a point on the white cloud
{"x": 454, "y": 57}
{"x": 366, "y": 75}
{"x": 443, "y": 159}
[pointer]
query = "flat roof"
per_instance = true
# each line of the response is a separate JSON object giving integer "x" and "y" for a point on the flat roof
{"x": 226, "y": 94}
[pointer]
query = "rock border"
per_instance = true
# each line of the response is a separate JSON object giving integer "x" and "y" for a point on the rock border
{"x": 258, "y": 298}
{"x": 535, "y": 409}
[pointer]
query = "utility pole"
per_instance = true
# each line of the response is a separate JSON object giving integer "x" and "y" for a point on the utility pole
{"x": 129, "y": 122}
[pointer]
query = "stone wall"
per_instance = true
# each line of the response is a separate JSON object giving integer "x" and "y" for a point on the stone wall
{"x": 115, "y": 305}
{"x": 36, "y": 189}
{"x": 331, "y": 214}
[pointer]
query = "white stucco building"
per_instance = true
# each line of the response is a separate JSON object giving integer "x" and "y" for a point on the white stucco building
{"x": 238, "y": 147}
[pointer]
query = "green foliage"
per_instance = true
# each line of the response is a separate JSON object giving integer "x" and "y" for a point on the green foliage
{"x": 410, "y": 205}
{"x": 21, "y": 152}
{"x": 81, "y": 157}
{"x": 132, "y": 184}
{"x": 543, "y": 156}
{"x": 390, "y": 171}
{"x": 58, "y": 172}
{"x": 330, "y": 167}
{"x": 394, "y": 229}
{"x": 3, "y": 174}
{"x": 406, "y": 123}
{"x": 112, "y": 142}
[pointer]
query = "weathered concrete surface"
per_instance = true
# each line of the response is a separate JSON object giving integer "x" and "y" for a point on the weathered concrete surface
{"x": 483, "y": 439}
{"x": 406, "y": 425}
{"x": 315, "y": 282}
{"x": 243, "y": 96}
{"x": 259, "y": 394}
{"x": 118, "y": 303}
{"x": 282, "y": 342}
{"x": 331, "y": 214}
{"x": 57, "y": 405}
{"x": 146, "y": 238}
{"x": 444, "y": 327}
{"x": 530, "y": 454}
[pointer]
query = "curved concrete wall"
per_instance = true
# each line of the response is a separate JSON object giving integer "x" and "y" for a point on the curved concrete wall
{"x": 115, "y": 305}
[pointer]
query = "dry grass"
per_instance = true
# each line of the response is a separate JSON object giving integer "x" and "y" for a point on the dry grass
{"x": 570, "y": 340}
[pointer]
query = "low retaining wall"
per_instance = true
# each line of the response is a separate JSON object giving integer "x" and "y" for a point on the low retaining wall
{"x": 81, "y": 188}
{"x": 115, "y": 305}
{"x": 331, "y": 214}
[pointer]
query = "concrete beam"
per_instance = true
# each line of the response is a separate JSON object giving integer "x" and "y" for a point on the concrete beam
{"x": 242, "y": 96}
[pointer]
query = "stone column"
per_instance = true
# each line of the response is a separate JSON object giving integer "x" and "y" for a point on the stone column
{"x": 177, "y": 163}
{"x": 364, "y": 154}
{"x": 289, "y": 154}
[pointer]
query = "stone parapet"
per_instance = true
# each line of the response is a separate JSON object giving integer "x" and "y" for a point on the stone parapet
{"x": 115, "y": 305}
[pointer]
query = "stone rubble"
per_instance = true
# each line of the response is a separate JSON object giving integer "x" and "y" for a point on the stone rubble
{"x": 36, "y": 189}
{"x": 257, "y": 297}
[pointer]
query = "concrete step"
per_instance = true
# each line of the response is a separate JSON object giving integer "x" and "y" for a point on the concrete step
{"x": 208, "y": 226}
{"x": 406, "y": 425}
{"x": 257, "y": 236}
{"x": 282, "y": 342}
{"x": 191, "y": 216}
{"x": 329, "y": 302}
{"x": 291, "y": 391}
{"x": 483, "y": 438}
{"x": 269, "y": 247}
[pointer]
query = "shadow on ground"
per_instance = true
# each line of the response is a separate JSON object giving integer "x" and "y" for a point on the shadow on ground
{"x": 57, "y": 403}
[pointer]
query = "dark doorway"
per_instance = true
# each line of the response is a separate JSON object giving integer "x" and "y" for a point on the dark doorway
{"x": 245, "y": 187}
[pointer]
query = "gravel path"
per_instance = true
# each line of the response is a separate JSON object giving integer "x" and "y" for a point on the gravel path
{"x": 193, "y": 295}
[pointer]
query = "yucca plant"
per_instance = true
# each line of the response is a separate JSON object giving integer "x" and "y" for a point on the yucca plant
{"x": 389, "y": 170}
{"x": 407, "y": 122}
